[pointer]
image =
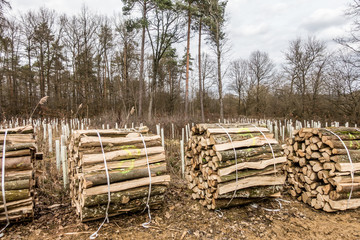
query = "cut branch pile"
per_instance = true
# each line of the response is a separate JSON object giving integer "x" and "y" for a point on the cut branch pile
{"x": 128, "y": 172}
{"x": 19, "y": 181}
{"x": 211, "y": 165}
{"x": 319, "y": 169}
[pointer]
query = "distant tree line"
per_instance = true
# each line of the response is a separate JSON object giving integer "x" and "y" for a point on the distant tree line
{"x": 110, "y": 64}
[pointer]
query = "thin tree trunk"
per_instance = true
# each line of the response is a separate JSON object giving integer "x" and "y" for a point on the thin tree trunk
{"x": 141, "y": 80}
{"x": 219, "y": 72}
{"x": 200, "y": 84}
{"x": 187, "y": 64}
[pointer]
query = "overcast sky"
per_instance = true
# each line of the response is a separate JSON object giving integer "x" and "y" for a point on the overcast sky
{"x": 266, "y": 25}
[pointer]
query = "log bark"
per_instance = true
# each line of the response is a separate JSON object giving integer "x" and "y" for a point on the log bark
{"x": 252, "y": 165}
{"x": 253, "y": 192}
{"x": 252, "y": 142}
{"x": 250, "y": 182}
{"x": 92, "y": 213}
{"x": 95, "y": 179}
{"x": 248, "y": 173}
{"x": 109, "y": 148}
{"x": 224, "y": 138}
{"x": 18, "y": 163}
{"x": 122, "y": 196}
{"x": 88, "y": 159}
{"x": 15, "y": 195}
{"x": 244, "y": 129}
{"x": 120, "y": 186}
{"x": 94, "y": 141}
{"x": 264, "y": 156}
{"x": 125, "y": 164}
{"x": 249, "y": 152}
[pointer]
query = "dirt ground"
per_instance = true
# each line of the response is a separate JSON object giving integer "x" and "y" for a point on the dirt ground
{"x": 184, "y": 218}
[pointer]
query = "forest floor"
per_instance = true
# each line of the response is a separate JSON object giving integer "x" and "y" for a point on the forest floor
{"x": 184, "y": 218}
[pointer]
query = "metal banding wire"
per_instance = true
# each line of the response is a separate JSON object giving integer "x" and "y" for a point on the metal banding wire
{"x": 236, "y": 170}
{"x": 351, "y": 163}
{"x": 95, "y": 234}
{"x": 3, "y": 186}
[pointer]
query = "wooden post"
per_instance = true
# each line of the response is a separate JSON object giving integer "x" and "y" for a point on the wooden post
{"x": 64, "y": 163}
{"x": 182, "y": 158}
{"x": 58, "y": 158}
{"x": 162, "y": 137}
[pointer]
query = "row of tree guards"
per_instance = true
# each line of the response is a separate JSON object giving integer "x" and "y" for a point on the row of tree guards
{"x": 18, "y": 152}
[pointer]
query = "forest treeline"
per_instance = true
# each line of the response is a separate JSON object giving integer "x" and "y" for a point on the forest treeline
{"x": 110, "y": 64}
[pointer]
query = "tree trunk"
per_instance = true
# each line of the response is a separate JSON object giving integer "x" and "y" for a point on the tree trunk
{"x": 187, "y": 64}
{"x": 201, "y": 96}
{"x": 142, "y": 52}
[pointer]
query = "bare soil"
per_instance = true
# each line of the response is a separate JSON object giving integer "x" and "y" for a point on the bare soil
{"x": 184, "y": 218}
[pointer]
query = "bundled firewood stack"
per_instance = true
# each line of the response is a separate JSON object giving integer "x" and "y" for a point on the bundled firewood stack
{"x": 20, "y": 150}
{"x": 319, "y": 170}
{"x": 218, "y": 179}
{"x": 127, "y": 167}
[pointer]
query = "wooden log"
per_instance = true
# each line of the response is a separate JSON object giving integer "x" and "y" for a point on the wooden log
{"x": 347, "y": 167}
{"x": 18, "y": 175}
{"x": 252, "y": 165}
{"x": 122, "y": 196}
{"x": 16, "y": 204}
{"x": 355, "y": 158}
{"x": 106, "y": 141}
{"x": 17, "y": 139}
{"x": 201, "y": 127}
{"x": 252, "y": 142}
{"x": 253, "y": 192}
{"x": 16, "y": 147}
{"x": 15, "y": 195}
{"x": 120, "y": 186}
{"x": 18, "y": 130}
{"x": 95, "y": 179}
{"x": 92, "y": 213}
{"x": 88, "y": 159}
{"x": 342, "y": 151}
{"x": 250, "y": 182}
{"x": 225, "y": 203}
{"x": 236, "y": 130}
{"x": 17, "y": 185}
{"x": 125, "y": 165}
{"x": 224, "y": 138}
{"x": 18, "y": 163}
{"x": 334, "y": 195}
{"x": 344, "y": 204}
{"x": 24, "y": 213}
{"x": 248, "y": 152}
{"x": 264, "y": 156}
{"x": 111, "y": 132}
{"x": 18, "y": 153}
{"x": 247, "y": 173}
{"x": 109, "y": 148}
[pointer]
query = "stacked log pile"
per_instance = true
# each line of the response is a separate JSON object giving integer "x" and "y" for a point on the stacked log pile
{"x": 19, "y": 181}
{"x": 128, "y": 172}
{"x": 319, "y": 170}
{"x": 218, "y": 180}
